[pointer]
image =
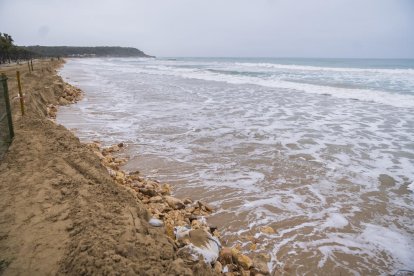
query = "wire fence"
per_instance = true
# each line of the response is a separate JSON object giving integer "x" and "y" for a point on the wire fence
{"x": 6, "y": 123}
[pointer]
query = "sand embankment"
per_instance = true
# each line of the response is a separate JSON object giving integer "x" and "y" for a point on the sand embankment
{"x": 60, "y": 210}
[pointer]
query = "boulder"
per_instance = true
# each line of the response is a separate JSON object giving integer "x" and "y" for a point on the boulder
{"x": 165, "y": 189}
{"x": 244, "y": 261}
{"x": 174, "y": 203}
{"x": 148, "y": 192}
{"x": 155, "y": 199}
{"x": 226, "y": 255}
{"x": 218, "y": 267}
{"x": 205, "y": 207}
{"x": 187, "y": 201}
{"x": 260, "y": 263}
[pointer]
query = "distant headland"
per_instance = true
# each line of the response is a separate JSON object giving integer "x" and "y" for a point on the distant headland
{"x": 11, "y": 52}
{"x": 71, "y": 51}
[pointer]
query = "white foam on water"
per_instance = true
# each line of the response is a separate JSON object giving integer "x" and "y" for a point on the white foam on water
{"x": 335, "y": 220}
{"x": 394, "y": 241}
{"x": 264, "y": 154}
{"x": 370, "y": 95}
{"x": 371, "y": 244}
{"x": 330, "y": 69}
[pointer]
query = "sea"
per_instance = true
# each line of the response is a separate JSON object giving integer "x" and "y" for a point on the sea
{"x": 320, "y": 150}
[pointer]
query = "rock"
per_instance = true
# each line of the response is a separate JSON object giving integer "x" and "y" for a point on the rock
{"x": 195, "y": 224}
{"x": 226, "y": 255}
{"x": 165, "y": 189}
{"x": 169, "y": 231}
{"x": 116, "y": 258}
{"x": 204, "y": 206}
{"x": 218, "y": 267}
{"x": 120, "y": 161}
{"x": 120, "y": 176}
{"x": 107, "y": 159}
{"x": 174, "y": 203}
{"x": 234, "y": 253}
{"x": 63, "y": 101}
{"x": 245, "y": 273}
{"x": 201, "y": 243}
{"x": 100, "y": 155}
{"x": 155, "y": 199}
{"x": 147, "y": 192}
{"x": 111, "y": 172}
{"x": 156, "y": 222}
{"x": 266, "y": 257}
{"x": 267, "y": 230}
{"x": 161, "y": 206}
{"x": 187, "y": 201}
{"x": 244, "y": 261}
{"x": 110, "y": 149}
{"x": 260, "y": 263}
{"x": 151, "y": 184}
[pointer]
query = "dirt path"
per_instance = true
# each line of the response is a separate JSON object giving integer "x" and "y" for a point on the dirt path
{"x": 60, "y": 211}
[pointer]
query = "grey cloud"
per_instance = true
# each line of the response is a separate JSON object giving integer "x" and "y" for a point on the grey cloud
{"x": 280, "y": 28}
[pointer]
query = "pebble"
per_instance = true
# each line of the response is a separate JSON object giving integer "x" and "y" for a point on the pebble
{"x": 267, "y": 230}
{"x": 156, "y": 222}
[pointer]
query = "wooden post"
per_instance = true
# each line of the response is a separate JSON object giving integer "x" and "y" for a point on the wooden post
{"x": 7, "y": 101}
{"x": 20, "y": 93}
{"x": 28, "y": 65}
{"x": 31, "y": 63}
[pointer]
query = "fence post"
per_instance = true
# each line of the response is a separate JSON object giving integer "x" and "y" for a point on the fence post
{"x": 7, "y": 101}
{"x": 31, "y": 63}
{"x": 20, "y": 93}
{"x": 28, "y": 65}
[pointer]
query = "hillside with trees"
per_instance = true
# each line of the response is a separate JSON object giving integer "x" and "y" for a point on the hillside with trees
{"x": 12, "y": 53}
{"x": 9, "y": 52}
{"x": 69, "y": 51}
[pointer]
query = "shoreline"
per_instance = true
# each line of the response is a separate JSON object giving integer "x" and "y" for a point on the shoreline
{"x": 100, "y": 213}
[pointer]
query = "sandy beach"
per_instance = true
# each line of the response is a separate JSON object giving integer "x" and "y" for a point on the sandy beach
{"x": 61, "y": 212}
{"x": 67, "y": 208}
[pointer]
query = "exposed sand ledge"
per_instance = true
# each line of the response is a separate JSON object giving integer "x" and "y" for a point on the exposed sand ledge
{"x": 66, "y": 208}
{"x": 60, "y": 211}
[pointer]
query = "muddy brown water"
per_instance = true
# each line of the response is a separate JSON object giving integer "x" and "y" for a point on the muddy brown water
{"x": 332, "y": 177}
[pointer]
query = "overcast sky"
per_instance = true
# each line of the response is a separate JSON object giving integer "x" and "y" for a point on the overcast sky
{"x": 257, "y": 28}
